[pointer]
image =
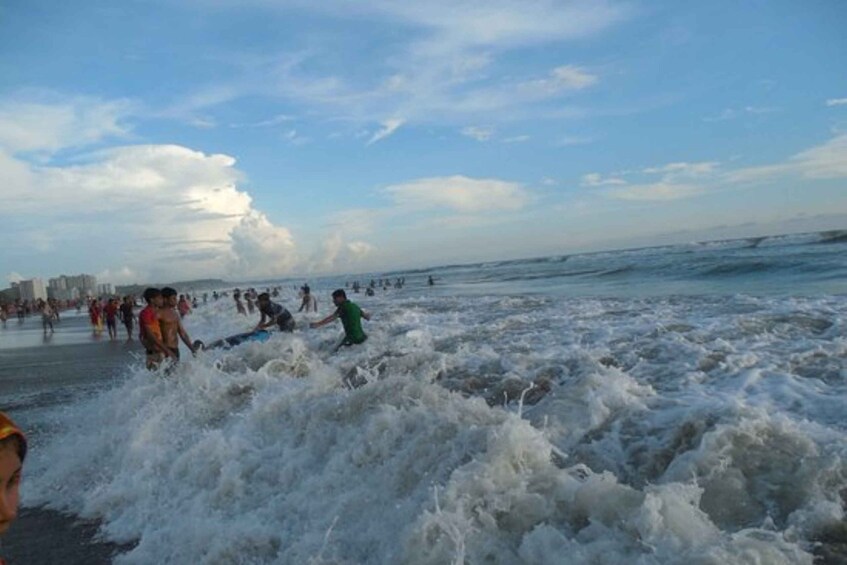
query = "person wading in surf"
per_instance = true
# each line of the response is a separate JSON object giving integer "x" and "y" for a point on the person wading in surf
{"x": 351, "y": 318}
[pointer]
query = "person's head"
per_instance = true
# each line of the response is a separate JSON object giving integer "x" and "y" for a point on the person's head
{"x": 153, "y": 296}
{"x": 199, "y": 345}
{"x": 169, "y": 296}
{"x": 339, "y": 296}
{"x": 263, "y": 298}
{"x": 12, "y": 455}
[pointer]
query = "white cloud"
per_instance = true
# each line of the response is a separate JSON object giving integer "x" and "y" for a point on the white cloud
{"x": 596, "y": 179}
{"x": 259, "y": 248}
{"x": 479, "y": 133}
{"x": 827, "y": 161}
{"x": 567, "y": 77}
{"x": 165, "y": 210}
{"x": 14, "y": 277}
{"x": 459, "y": 193}
{"x": 837, "y": 102}
{"x": 731, "y": 113}
{"x": 123, "y": 275}
{"x": 439, "y": 70}
{"x": 659, "y": 191}
{"x": 336, "y": 254}
{"x": 388, "y": 127}
{"x": 45, "y": 122}
{"x": 684, "y": 169}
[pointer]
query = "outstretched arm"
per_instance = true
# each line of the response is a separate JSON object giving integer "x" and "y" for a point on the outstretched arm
{"x": 185, "y": 339}
{"x": 325, "y": 321}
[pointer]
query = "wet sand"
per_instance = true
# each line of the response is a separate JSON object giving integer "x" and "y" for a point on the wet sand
{"x": 46, "y": 537}
{"x": 37, "y": 375}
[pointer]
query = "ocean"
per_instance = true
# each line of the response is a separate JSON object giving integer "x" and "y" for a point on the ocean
{"x": 681, "y": 404}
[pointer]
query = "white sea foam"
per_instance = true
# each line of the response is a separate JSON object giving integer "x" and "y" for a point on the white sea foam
{"x": 678, "y": 430}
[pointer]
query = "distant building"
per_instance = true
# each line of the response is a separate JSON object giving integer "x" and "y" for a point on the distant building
{"x": 32, "y": 290}
{"x": 105, "y": 289}
{"x": 72, "y": 287}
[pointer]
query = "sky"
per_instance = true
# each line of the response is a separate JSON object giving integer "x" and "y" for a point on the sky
{"x": 156, "y": 140}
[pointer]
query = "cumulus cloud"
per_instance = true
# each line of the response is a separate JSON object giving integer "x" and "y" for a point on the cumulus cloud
{"x": 336, "y": 254}
{"x": 44, "y": 122}
{"x": 259, "y": 248}
{"x": 163, "y": 210}
{"x": 388, "y": 127}
{"x": 14, "y": 277}
{"x": 459, "y": 193}
{"x": 837, "y": 102}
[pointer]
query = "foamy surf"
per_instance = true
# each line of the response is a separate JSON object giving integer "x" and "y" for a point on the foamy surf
{"x": 516, "y": 426}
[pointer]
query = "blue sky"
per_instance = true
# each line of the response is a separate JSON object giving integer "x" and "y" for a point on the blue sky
{"x": 159, "y": 140}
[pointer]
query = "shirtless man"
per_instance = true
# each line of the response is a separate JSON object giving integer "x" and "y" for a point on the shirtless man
{"x": 308, "y": 301}
{"x": 149, "y": 331}
{"x": 171, "y": 325}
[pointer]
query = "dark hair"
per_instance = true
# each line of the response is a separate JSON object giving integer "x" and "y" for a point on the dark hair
{"x": 340, "y": 292}
{"x": 17, "y": 443}
{"x": 264, "y": 296}
{"x": 151, "y": 293}
{"x": 167, "y": 292}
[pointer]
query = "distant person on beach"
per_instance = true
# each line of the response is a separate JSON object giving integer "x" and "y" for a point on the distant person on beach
{"x": 95, "y": 316}
{"x": 149, "y": 331}
{"x": 12, "y": 455}
{"x": 183, "y": 306}
{"x": 239, "y": 307}
{"x": 430, "y": 281}
{"x": 127, "y": 315}
{"x": 351, "y": 318}
{"x": 110, "y": 312}
{"x": 273, "y": 314}
{"x": 308, "y": 300}
{"x": 46, "y": 317}
{"x": 171, "y": 325}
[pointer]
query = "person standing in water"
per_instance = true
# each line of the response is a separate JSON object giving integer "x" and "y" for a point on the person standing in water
{"x": 308, "y": 301}
{"x": 351, "y": 318}
{"x": 46, "y": 317}
{"x": 236, "y": 295}
{"x": 149, "y": 331}
{"x": 273, "y": 314}
{"x": 94, "y": 314}
{"x": 127, "y": 316}
{"x": 171, "y": 325}
{"x": 110, "y": 312}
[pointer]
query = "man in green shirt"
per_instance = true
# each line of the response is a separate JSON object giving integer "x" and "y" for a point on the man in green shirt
{"x": 351, "y": 318}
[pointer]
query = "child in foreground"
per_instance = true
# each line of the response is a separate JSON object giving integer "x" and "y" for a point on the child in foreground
{"x": 12, "y": 454}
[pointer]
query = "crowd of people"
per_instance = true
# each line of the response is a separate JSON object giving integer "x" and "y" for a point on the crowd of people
{"x": 160, "y": 329}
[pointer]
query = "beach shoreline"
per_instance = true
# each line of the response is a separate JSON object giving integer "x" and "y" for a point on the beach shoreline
{"x": 71, "y": 540}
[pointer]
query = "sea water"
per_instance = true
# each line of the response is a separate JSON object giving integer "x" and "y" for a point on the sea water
{"x": 670, "y": 405}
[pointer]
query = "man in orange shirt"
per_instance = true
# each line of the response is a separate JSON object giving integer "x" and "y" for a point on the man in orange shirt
{"x": 150, "y": 333}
